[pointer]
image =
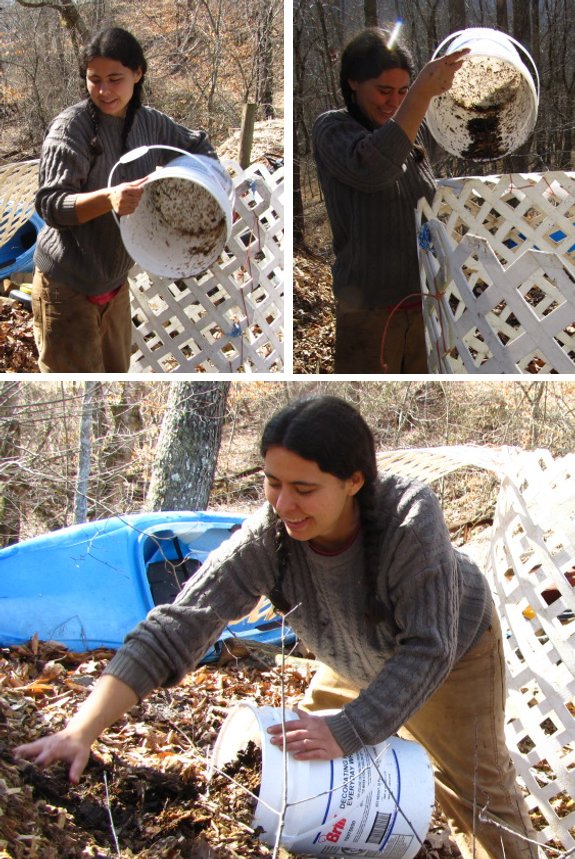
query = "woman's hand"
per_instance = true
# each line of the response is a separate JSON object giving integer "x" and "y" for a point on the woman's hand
{"x": 307, "y": 738}
{"x": 126, "y": 197}
{"x": 109, "y": 699}
{"x": 122, "y": 199}
{"x": 436, "y": 77}
{"x": 66, "y": 745}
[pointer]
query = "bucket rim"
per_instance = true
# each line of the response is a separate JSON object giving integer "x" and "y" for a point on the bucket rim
{"x": 519, "y": 49}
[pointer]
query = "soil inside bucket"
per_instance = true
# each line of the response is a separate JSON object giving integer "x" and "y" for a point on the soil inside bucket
{"x": 486, "y": 140}
{"x": 189, "y": 211}
{"x": 242, "y": 793}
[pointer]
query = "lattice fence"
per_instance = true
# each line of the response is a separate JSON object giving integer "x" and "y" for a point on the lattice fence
{"x": 529, "y": 560}
{"x": 18, "y": 186}
{"x": 229, "y": 319}
{"x": 497, "y": 260}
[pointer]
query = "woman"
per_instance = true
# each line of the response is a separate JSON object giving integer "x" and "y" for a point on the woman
{"x": 80, "y": 295}
{"x": 373, "y": 170}
{"x": 365, "y": 566}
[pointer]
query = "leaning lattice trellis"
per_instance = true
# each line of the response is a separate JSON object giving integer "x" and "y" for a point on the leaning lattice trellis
{"x": 18, "y": 186}
{"x": 530, "y": 563}
{"x": 497, "y": 258}
{"x": 229, "y": 319}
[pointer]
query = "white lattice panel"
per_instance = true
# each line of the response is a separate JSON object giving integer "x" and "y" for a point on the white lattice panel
{"x": 18, "y": 186}
{"x": 497, "y": 259}
{"x": 530, "y": 564}
{"x": 230, "y": 319}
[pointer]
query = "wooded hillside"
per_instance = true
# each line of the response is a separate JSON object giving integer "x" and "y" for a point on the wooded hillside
{"x": 206, "y": 61}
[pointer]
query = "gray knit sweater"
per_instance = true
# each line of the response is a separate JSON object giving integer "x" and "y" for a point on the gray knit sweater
{"x": 437, "y": 606}
{"x": 371, "y": 181}
{"x": 91, "y": 258}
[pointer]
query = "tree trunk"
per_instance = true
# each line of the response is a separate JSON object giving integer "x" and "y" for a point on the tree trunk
{"x": 84, "y": 454}
{"x": 187, "y": 450}
{"x": 521, "y": 22}
{"x": 370, "y": 13}
{"x": 11, "y": 488}
{"x": 264, "y": 61}
{"x": 457, "y": 17}
{"x": 502, "y": 15}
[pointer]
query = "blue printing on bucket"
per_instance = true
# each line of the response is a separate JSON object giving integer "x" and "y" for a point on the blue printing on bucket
{"x": 396, "y": 800}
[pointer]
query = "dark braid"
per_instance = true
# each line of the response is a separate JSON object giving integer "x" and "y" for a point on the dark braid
{"x": 95, "y": 145}
{"x": 331, "y": 432}
{"x": 277, "y": 596}
{"x": 114, "y": 43}
{"x": 374, "y": 607}
{"x": 129, "y": 120}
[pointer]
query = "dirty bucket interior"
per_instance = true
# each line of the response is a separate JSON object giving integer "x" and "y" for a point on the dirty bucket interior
{"x": 491, "y": 108}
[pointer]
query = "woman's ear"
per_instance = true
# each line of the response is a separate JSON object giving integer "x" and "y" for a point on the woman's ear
{"x": 356, "y": 481}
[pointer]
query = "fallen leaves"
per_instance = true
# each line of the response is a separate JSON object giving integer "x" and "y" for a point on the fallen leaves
{"x": 313, "y": 315}
{"x": 18, "y": 352}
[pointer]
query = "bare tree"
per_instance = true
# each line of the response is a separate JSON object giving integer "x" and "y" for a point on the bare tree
{"x": 457, "y": 15}
{"x": 11, "y": 483}
{"x": 188, "y": 446}
{"x": 69, "y": 12}
{"x": 502, "y": 15}
{"x": 84, "y": 454}
{"x": 370, "y": 13}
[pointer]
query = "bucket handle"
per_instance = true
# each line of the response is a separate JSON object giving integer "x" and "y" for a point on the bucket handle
{"x": 136, "y": 153}
{"x": 511, "y": 39}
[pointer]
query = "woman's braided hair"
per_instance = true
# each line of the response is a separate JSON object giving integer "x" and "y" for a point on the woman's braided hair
{"x": 114, "y": 43}
{"x": 329, "y": 431}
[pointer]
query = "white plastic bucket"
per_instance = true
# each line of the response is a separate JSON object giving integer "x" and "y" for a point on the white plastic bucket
{"x": 347, "y": 806}
{"x": 492, "y": 107}
{"x": 184, "y": 218}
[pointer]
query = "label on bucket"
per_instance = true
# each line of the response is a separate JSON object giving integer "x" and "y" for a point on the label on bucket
{"x": 372, "y": 809}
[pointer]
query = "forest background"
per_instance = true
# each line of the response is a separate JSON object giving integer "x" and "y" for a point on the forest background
{"x": 207, "y": 59}
{"x": 71, "y": 451}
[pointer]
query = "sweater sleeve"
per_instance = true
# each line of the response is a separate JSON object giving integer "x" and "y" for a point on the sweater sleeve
{"x": 365, "y": 160}
{"x": 64, "y": 168}
{"x": 421, "y": 579}
{"x": 173, "y": 638}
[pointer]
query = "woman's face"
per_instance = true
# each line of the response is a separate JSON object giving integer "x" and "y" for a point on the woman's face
{"x": 378, "y": 98}
{"x": 111, "y": 85}
{"x": 313, "y": 504}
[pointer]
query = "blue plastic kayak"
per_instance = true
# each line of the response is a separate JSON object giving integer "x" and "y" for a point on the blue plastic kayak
{"x": 17, "y": 254}
{"x": 88, "y": 585}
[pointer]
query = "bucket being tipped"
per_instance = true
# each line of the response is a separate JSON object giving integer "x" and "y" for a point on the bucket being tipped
{"x": 491, "y": 109}
{"x": 376, "y": 802}
{"x": 184, "y": 218}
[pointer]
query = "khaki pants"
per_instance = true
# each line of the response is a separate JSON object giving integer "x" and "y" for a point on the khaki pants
{"x": 359, "y": 337}
{"x": 462, "y": 728}
{"x": 75, "y": 336}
